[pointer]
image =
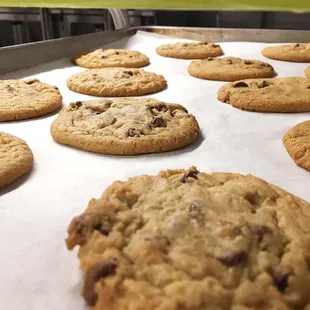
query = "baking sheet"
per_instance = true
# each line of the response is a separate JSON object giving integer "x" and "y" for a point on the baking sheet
{"x": 37, "y": 272}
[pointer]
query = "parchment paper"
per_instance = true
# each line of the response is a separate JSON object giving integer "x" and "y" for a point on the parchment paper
{"x": 37, "y": 272}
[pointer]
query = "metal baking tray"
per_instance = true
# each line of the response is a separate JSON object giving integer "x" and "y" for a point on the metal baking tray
{"x": 37, "y": 271}
{"x": 23, "y": 56}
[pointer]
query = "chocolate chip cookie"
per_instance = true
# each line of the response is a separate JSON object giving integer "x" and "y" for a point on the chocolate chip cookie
{"x": 191, "y": 50}
{"x": 297, "y": 143}
{"x": 116, "y": 82}
{"x": 125, "y": 126}
{"x": 16, "y": 158}
{"x": 23, "y": 99}
{"x": 299, "y": 52}
{"x": 194, "y": 241}
{"x": 282, "y": 95}
{"x": 229, "y": 69}
{"x": 104, "y": 58}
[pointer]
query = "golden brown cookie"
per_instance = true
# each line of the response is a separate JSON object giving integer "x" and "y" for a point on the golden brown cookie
{"x": 299, "y": 52}
{"x": 104, "y": 58}
{"x": 191, "y": 50}
{"x": 15, "y": 158}
{"x": 125, "y": 126}
{"x": 297, "y": 143}
{"x": 116, "y": 82}
{"x": 282, "y": 95}
{"x": 194, "y": 241}
{"x": 307, "y": 72}
{"x": 23, "y": 99}
{"x": 229, "y": 69}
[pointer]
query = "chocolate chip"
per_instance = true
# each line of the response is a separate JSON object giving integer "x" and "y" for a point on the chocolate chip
{"x": 263, "y": 84}
{"x": 210, "y": 58}
{"x": 253, "y": 198}
{"x": 194, "y": 211}
{"x": 229, "y": 62}
{"x": 297, "y": 45}
{"x": 84, "y": 221}
{"x": 215, "y": 45}
{"x": 81, "y": 227}
{"x": 97, "y": 271}
{"x": 9, "y": 88}
{"x": 259, "y": 231}
{"x": 280, "y": 280}
{"x": 159, "y": 122}
{"x": 133, "y": 133}
{"x": 55, "y": 87}
{"x": 190, "y": 174}
{"x": 29, "y": 82}
{"x": 130, "y": 56}
{"x": 76, "y": 105}
{"x": 240, "y": 84}
{"x": 101, "y": 229}
{"x": 116, "y": 53}
{"x": 129, "y": 73}
{"x": 237, "y": 231}
{"x": 233, "y": 258}
{"x": 103, "y": 56}
{"x": 248, "y": 62}
{"x": 160, "y": 108}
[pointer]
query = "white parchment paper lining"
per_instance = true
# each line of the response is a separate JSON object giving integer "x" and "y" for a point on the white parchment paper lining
{"x": 37, "y": 272}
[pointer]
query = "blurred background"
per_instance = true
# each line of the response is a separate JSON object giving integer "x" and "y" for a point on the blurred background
{"x": 23, "y": 25}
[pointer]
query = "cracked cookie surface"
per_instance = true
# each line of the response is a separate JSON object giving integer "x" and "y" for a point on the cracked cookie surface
{"x": 229, "y": 69}
{"x": 116, "y": 82}
{"x": 282, "y": 95}
{"x": 23, "y": 99}
{"x": 299, "y": 52}
{"x": 125, "y": 126}
{"x": 104, "y": 58}
{"x": 194, "y": 241}
{"x": 16, "y": 158}
{"x": 190, "y": 50}
{"x": 297, "y": 143}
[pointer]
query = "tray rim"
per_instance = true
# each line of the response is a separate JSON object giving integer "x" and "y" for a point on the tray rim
{"x": 17, "y": 57}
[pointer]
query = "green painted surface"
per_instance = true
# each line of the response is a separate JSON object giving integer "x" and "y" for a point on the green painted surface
{"x": 291, "y": 5}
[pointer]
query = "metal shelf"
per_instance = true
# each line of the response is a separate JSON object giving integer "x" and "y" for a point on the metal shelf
{"x": 55, "y": 23}
{"x": 266, "y": 5}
